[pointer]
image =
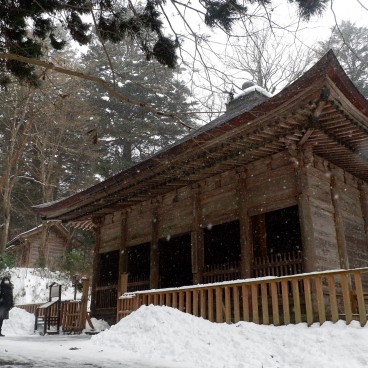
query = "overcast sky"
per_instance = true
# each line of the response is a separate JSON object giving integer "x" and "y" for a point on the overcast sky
{"x": 344, "y": 10}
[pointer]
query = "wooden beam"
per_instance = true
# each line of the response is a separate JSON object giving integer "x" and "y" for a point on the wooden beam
{"x": 197, "y": 238}
{"x": 246, "y": 240}
{"x": 305, "y": 137}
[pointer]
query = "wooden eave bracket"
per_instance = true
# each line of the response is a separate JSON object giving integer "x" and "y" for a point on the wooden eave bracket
{"x": 305, "y": 137}
{"x": 313, "y": 119}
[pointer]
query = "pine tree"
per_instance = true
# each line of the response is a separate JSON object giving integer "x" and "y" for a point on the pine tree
{"x": 130, "y": 133}
{"x": 350, "y": 44}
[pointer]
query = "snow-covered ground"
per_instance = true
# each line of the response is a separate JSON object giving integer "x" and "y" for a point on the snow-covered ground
{"x": 165, "y": 337}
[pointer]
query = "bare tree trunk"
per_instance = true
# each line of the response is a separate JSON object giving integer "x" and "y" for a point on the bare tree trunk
{"x": 6, "y": 219}
{"x": 127, "y": 150}
{"x": 11, "y": 167}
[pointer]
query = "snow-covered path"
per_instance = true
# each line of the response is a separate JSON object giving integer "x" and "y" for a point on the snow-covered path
{"x": 67, "y": 351}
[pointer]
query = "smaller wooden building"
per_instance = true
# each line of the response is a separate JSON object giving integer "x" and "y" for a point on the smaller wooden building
{"x": 25, "y": 247}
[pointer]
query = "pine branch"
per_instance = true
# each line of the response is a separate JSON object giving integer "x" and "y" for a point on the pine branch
{"x": 119, "y": 96}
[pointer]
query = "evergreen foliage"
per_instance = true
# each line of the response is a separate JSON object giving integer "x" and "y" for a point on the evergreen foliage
{"x": 77, "y": 261}
{"x": 307, "y": 8}
{"x": 7, "y": 260}
{"x": 129, "y": 132}
{"x": 350, "y": 45}
{"x": 26, "y": 25}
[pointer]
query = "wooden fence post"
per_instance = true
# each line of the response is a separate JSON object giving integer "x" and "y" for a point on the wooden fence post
{"x": 84, "y": 302}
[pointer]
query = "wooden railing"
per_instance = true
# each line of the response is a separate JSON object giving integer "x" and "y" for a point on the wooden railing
{"x": 136, "y": 283}
{"x": 280, "y": 264}
{"x": 48, "y": 317}
{"x": 106, "y": 296}
{"x": 30, "y": 308}
{"x": 73, "y": 313}
{"x": 221, "y": 272}
{"x": 331, "y": 295}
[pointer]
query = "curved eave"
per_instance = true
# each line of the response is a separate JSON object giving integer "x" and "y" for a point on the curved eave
{"x": 326, "y": 72}
{"x": 57, "y": 227}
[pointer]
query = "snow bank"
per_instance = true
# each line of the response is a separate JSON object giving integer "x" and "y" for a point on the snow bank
{"x": 20, "y": 323}
{"x": 98, "y": 324}
{"x": 168, "y": 334}
{"x": 31, "y": 284}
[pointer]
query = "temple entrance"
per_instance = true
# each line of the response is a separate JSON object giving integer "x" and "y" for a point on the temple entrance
{"x": 109, "y": 268}
{"x": 175, "y": 261}
{"x": 277, "y": 243}
{"x": 106, "y": 292}
{"x": 222, "y": 252}
{"x": 138, "y": 267}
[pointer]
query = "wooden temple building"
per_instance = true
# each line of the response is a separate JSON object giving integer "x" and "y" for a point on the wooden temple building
{"x": 276, "y": 186}
{"x": 25, "y": 246}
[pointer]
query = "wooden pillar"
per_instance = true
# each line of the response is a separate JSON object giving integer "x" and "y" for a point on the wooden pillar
{"x": 97, "y": 221}
{"x": 154, "y": 254}
{"x": 197, "y": 238}
{"x": 123, "y": 255}
{"x": 304, "y": 158}
{"x": 123, "y": 283}
{"x": 246, "y": 240}
{"x": 339, "y": 225}
{"x": 363, "y": 188}
{"x": 84, "y": 303}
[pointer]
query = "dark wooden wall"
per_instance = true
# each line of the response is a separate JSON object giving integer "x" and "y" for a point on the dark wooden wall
{"x": 333, "y": 216}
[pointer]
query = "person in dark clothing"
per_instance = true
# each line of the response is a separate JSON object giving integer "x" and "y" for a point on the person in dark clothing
{"x": 6, "y": 300}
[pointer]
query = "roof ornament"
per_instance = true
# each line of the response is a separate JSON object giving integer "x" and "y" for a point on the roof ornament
{"x": 247, "y": 84}
{"x": 250, "y": 96}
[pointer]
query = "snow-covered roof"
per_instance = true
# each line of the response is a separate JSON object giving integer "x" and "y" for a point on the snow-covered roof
{"x": 54, "y": 224}
{"x": 251, "y": 89}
